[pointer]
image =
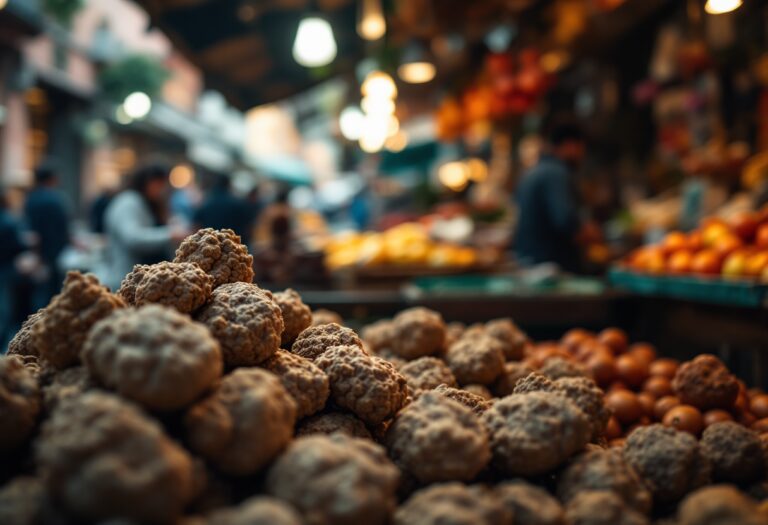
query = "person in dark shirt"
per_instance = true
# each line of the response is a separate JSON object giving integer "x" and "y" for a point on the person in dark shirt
{"x": 11, "y": 246}
{"x": 98, "y": 210}
{"x": 221, "y": 209}
{"x": 548, "y": 221}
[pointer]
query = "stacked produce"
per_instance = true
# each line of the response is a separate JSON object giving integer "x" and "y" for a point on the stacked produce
{"x": 199, "y": 398}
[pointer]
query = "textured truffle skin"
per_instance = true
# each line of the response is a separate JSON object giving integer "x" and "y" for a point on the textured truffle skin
{"x": 244, "y": 423}
{"x": 476, "y": 403}
{"x": 731, "y": 450}
{"x": 245, "y": 320}
{"x": 476, "y": 359}
{"x": 669, "y": 461}
{"x": 534, "y": 382}
{"x": 379, "y": 336}
{"x": 23, "y": 343}
{"x": 453, "y": 504}
{"x": 67, "y": 383}
{"x": 330, "y": 422}
{"x": 307, "y": 384}
{"x": 219, "y": 253}
{"x": 184, "y": 286}
{"x": 529, "y": 504}
{"x": 719, "y": 505}
{"x": 296, "y": 315}
{"x": 534, "y": 433}
{"x": 417, "y": 332}
{"x": 601, "y": 508}
{"x": 426, "y": 373}
{"x": 438, "y": 439}
{"x": 604, "y": 470}
{"x": 558, "y": 367}
{"x": 512, "y": 373}
{"x": 706, "y": 383}
{"x": 335, "y": 480}
{"x": 322, "y": 316}
{"x": 367, "y": 386}
{"x": 102, "y": 458}
{"x": 453, "y": 332}
{"x": 19, "y": 402}
{"x": 315, "y": 340}
{"x": 153, "y": 355}
{"x": 60, "y": 333}
{"x": 513, "y": 340}
{"x": 259, "y": 510}
{"x": 589, "y": 398}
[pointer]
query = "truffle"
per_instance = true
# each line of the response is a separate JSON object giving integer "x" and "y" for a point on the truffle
{"x": 529, "y": 504}
{"x": 476, "y": 403}
{"x": 67, "y": 383}
{"x": 534, "y": 382}
{"x": 367, "y": 386}
{"x": 453, "y": 332}
{"x": 245, "y": 320}
{"x": 731, "y": 450}
{"x": 589, "y": 398}
{"x": 512, "y": 373}
{"x": 304, "y": 381}
{"x": 476, "y": 360}
{"x": 323, "y": 316}
{"x": 513, "y": 340}
{"x": 534, "y": 433}
{"x": 438, "y": 439}
{"x": 102, "y": 458}
{"x": 219, "y": 253}
{"x": 244, "y": 423}
{"x": 259, "y": 510}
{"x": 296, "y": 315}
{"x": 559, "y": 367}
{"x": 184, "y": 286}
{"x": 719, "y": 505}
{"x": 426, "y": 373}
{"x": 454, "y": 504}
{"x": 378, "y": 336}
{"x": 601, "y": 508}
{"x": 330, "y": 422}
{"x": 668, "y": 460}
{"x": 336, "y": 480}
{"x": 417, "y": 332}
{"x": 705, "y": 383}
{"x": 317, "y": 339}
{"x": 19, "y": 402}
{"x": 60, "y": 333}
{"x": 23, "y": 343}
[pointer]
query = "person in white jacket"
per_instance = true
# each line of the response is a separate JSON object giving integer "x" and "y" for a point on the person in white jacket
{"x": 136, "y": 224}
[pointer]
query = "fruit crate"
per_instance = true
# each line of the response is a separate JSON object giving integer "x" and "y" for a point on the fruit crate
{"x": 729, "y": 292}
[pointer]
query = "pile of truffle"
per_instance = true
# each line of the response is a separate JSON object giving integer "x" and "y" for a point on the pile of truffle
{"x": 191, "y": 396}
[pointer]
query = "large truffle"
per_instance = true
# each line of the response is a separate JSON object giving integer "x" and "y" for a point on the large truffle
{"x": 317, "y": 339}
{"x": 529, "y": 504}
{"x": 534, "y": 433}
{"x": 438, "y": 439}
{"x": 513, "y": 339}
{"x": 102, "y": 458}
{"x": 559, "y": 367}
{"x": 669, "y": 461}
{"x": 296, "y": 315}
{"x": 379, "y": 336}
{"x": 476, "y": 359}
{"x": 365, "y": 385}
{"x": 322, "y": 316}
{"x": 245, "y": 423}
{"x": 601, "y": 508}
{"x": 474, "y": 402}
{"x": 184, "y": 286}
{"x": 219, "y": 253}
{"x": 153, "y": 355}
{"x": 604, "y": 470}
{"x": 426, "y": 373}
{"x": 60, "y": 333}
{"x": 417, "y": 332}
{"x": 719, "y": 505}
{"x": 335, "y": 480}
{"x": 705, "y": 383}
{"x": 259, "y": 510}
{"x": 246, "y": 321}
{"x": 304, "y": 381}
{"x": 23, "y": 343}
{"x": 589, "y": 398}
{"x": 19, "y": 402}
{"x": 66, "y": 383}
{"x": 731, "y": 450}
{"x": 454, "y": 504}
{"x": 330, "y": 422}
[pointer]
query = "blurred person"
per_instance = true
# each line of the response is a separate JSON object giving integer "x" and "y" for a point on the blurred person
{"x": 136, "y": 224}
{"x": 276, "y": 223}
{"x": 11, "y": 246}
{"x": 221, "y": 209}
{"x": 98, "y": 210}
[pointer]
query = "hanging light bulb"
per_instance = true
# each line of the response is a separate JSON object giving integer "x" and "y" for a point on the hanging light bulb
{"x": 719, "y": 7}
{"x": 315, "y": 45}
{"x": 137, "y": 105}
{"x": 416, "y": 67}
{"x": 379, "y": 85}
{"x": 351, "y": 122}
{"x": 371, "y": 25}
{"x": 377, "y": 106}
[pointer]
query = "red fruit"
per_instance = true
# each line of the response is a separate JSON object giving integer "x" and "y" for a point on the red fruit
{"x": 624, "y": 405}
{"x": 631, "y": 371}
{"x": 686, "y": 418}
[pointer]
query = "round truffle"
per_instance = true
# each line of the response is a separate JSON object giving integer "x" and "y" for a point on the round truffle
{"x": 426, "y": 373}
{"x": 513, "y": 339}
{"x": 23, "y": 343}
{"x": 335, "y": 479}
{"x": 417, "y": 332}
{"x": 66, "y": 383}
{"x": 245, "y": 320}
{"x": 183, "y": 286}
{"x": 512, "y": 373}
{"x": 259, "y": 510}
{"x": 297, "y": 316}
{"x": 453, "y": 332}
{"x": 244, "y": 423}
{"x": 558, "y": 367}
{"x": 589, "y": 398}
{"x": 476, "y": 360}
{"x": 604, "y": 470}
{"x": 474, "y": 402}
{"x": 600, "y": 507}
{"x": 367, "y": 386}
{"x": 307, "y": 384}
{"x": 330, "y": 422}
{"x": 323, "y": 316}
{"x": 529, "y": 504}
{"x": 719, "y": 505}
{"x": 60, "y": 333}
{"x": 668, "y": 460}
{"x": 153, "y": 355}
{"x": 378, "y": 336}
{"x": 219, "y": 253}
{"x": 19, "y": 402}
{"x": 454, "y": 504}
{"x": 317, "y": 339}
{"x": 534, "y": 433}
{"x": 102, "y": 458}
{"x": 705, "y": 383}
{"x": 731, "y": 450}
{"x": 438, "y": 439}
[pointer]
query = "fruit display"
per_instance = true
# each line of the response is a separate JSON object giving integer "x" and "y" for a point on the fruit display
{"x": 216, "y": 402}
